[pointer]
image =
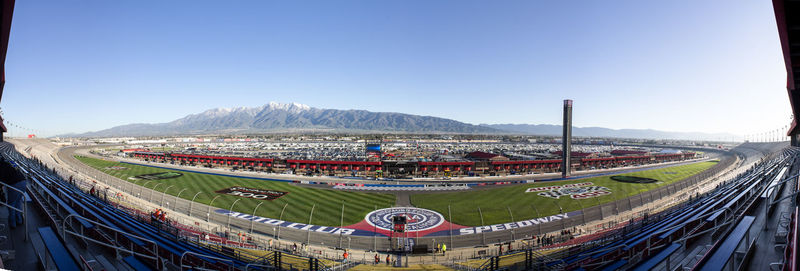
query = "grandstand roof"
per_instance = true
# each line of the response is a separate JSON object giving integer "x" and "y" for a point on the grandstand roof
{"x": 327, "y": 162}
{"x": 446, "y": 163}
{"x": 574, "y": 153}
{"x": 627, "y": 152}
{"x": 481, "y": 155}
{"x": 789, "y": 32}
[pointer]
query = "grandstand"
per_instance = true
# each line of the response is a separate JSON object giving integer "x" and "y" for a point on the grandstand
{"x": 521, "y": 253}
{"x": 736, "y": 226}
{"x": 414, "y": 168}
{"x": 472, "y": 257}
{"x": 733, "y": 213}
{"x": 83, "y": 231}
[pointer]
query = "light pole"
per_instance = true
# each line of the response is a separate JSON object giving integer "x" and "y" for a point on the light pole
{"x": 483, "y": 233}
{"x": 208, "y": 214}
{"x": 192, "y": 203}
{"x": 141, "y": 188}
{"x": 538, "y": 215}
{"x": 136, "y": 182}
{"x": 280, "y": 218}
{"x": 311, "y": 214}
{"x": 252, "y": 219}
{"x": 450, "y": 231}
{"x": 229, "y": 215}
{"x": 178, "y": 196}
{"x": 154, "y": 189}
{"x": 561, "y": 211}
{"x": 163, "y": 193}
{"x": 512, "y": 221}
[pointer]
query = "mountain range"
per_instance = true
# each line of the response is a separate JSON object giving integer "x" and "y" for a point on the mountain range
{"x": 549, "y": 129}
{"x": 289, "y": 117}
{"x": 293, "y": 117}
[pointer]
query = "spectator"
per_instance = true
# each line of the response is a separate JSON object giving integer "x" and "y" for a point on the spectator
{"x": 11, "y": 176}
{"x": 377, "y": 259}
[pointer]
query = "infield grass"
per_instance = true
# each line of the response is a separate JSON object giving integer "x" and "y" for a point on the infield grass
{"x": 327, "y": 211}
{"x": 494, "y": 203}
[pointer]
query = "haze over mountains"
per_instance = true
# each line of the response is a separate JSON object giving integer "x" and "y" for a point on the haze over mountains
{"x": 549, "y": 129}
{"x": 293, "y": 117}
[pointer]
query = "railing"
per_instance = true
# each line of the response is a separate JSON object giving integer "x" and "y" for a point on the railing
{"x": 117, "y": 249}
{"x": 721, "y": 163}
{"x": 85, "y": 263}
{"x": 192, "y": 267}
{"x": 22, "y": 195}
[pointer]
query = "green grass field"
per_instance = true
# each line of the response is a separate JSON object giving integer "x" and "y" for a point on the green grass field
{"x": 300, "y": 199}
{"x": 495, "y": 202}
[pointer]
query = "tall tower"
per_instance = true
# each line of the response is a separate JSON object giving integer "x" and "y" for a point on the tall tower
{"x": 566, "y": 140}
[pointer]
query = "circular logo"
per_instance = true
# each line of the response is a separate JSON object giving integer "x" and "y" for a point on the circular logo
{"x": 417, "y": 219}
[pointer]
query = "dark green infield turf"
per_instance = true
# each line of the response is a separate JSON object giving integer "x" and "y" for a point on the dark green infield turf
{"x": 300, "y": 199}
{"x": 496, "y": 202}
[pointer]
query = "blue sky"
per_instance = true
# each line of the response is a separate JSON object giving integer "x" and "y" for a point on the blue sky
{"x": 714, "y": 66}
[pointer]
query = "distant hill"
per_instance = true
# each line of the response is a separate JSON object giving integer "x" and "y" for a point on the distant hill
{"x": 281, "y": 117}
{"x": 293, "y": 117}
{"x": 549, "y": 129}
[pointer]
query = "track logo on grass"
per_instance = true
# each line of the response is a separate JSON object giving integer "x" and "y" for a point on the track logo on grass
{"x": 157, "y": 176}
{"x": 417, "y": 219}
{"x": 575, "y": 191}
{"x": 634, "y": 179}
{"x": 253, "y": 193}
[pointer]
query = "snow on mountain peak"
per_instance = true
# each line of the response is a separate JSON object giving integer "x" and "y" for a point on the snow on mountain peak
{"x": 291, "y": 107}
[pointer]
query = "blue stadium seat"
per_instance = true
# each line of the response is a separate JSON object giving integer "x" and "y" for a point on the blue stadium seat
{"x": 658, "y": 258}
{"x": 61, "y": 256}
{"x": 725, "y": 250}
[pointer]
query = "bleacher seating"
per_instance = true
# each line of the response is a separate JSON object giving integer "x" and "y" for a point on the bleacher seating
{"x": 724, "y": 250}
{"x": 57, "y": 251}
{"x": 66, "y": 200}
{"x": 643, "y": 244}
{"x": 652, "y": 242}
{"x": 658, "y": 258}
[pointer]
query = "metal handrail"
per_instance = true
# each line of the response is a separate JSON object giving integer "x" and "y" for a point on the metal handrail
{"x": 100, "y": 242}
{"x": 24, "y": 206}
{"x": 247, "y": 267}
{"x": 63, "y": 224}
{"x": 64, "y": 232}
